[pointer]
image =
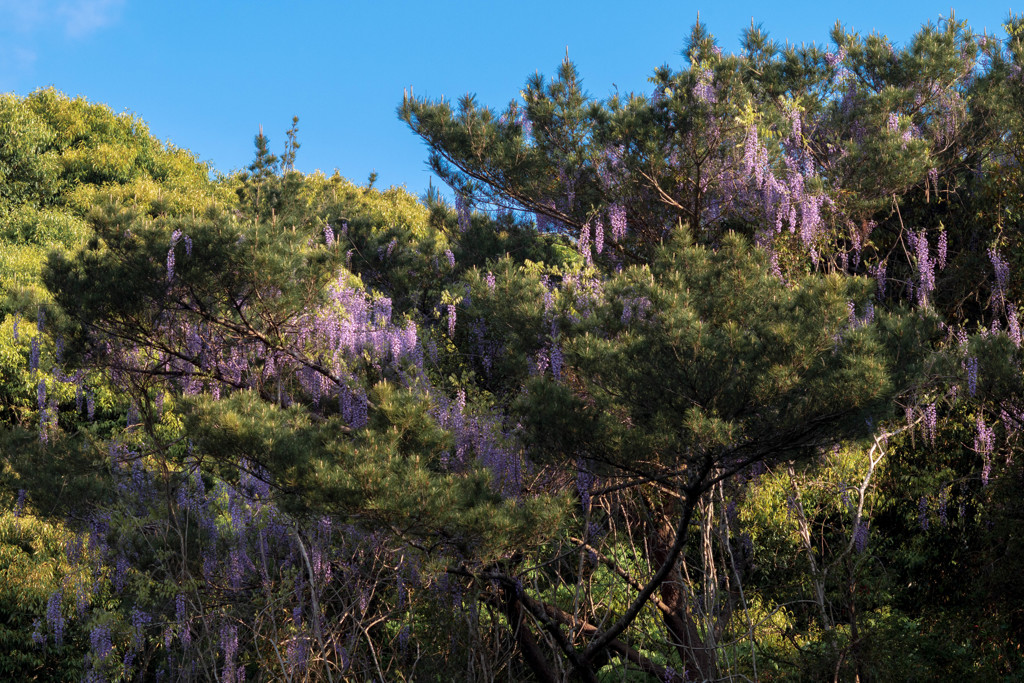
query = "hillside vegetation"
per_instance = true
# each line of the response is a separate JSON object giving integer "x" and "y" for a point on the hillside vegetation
{"x": 719, "y": 381}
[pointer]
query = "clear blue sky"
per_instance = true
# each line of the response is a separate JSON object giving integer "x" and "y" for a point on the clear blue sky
{"x": 205, "y": 75}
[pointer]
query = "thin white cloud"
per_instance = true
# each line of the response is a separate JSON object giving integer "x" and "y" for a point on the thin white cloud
{"x": 25, "y": 23}
{"x": 76, "y": 18}
{"x": 20, "y": 16}
{"x": 82, "y": 17}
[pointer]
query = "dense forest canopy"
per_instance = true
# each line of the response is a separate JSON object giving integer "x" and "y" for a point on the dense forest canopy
{"x": 719, "y": 381}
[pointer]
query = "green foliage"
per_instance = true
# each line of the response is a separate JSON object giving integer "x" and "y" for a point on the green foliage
{"x": 728, "y": 363}
{"x": 56, "y": 144}
{"x": 387, "y": 475}
{"x": 754, "y": 426}
{"x": 33, "y": 565}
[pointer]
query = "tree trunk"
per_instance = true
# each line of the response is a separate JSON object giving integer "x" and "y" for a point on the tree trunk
{"x": 525, "y": 640}
{"x": 692, "y": 649}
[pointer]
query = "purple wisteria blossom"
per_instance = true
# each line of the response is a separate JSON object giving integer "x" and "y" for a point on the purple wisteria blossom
{"x": 931, "y": 422}
{"x": 617, "y": 219}
{"x": 100, "y": 642}
{"x": 925, "y": 270}
{"x": 775, "y": 267}
{"x": 583, "y": 243}
{"x": 120, "y": 573}
{"x": 33, "y": 357}
{"x": 1002, "y": 272}
{"x": 860, "y": 536}
{"x": 525, "y": 123}
{"x": 54, "y": 617}
{"x": 46, "y": 416}
{"x": 584, "y": 482}
{"x": 785, "y": 200}
{"x": 984, "y": 443}
{"x": 229, "y": 650}
{"x": 482, "y": 435}
{"x": 879, "y": 272}
{"x": 1013, "y": 325}
{"x": 556, "y": 359}
{"x": 38, "y": 639}
{"x": 836, "y": 58}
{"x": 893, "y": 123}
{"x": 704, "y": 90}
{"x": 635, "y": 308}
{"x": 177, "y": 236}
{"x": 971, "y": 365}
{"x": 170, "y": 264}
{"x": 462, "y": 210}
{"x": 181, "y": 617}
{"x": 859, "y": 321}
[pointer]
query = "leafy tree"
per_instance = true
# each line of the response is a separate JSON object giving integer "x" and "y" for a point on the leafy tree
{"x": 683, "y": 384}
{"x": 841, "y": 161}
{"x": 676, "y": 377}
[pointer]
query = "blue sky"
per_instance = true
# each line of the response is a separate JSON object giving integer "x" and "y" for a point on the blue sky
{"x": 206, "y": 75}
